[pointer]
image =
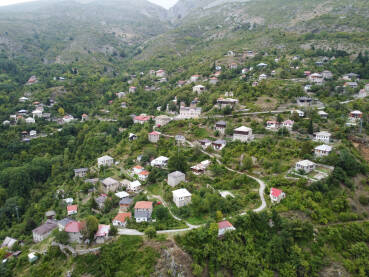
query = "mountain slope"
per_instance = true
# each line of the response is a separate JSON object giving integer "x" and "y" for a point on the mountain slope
{"x": 77, "y": 28}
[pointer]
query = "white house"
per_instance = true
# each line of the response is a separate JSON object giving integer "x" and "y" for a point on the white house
{"x": 226, "y": 102}
{"x": 272, "y": 125}
{"x": 37, "y": 114}
{"x": 105, "y": 161}
{"x": 143, "y": 175}
{"x": 219, "y": 144}
{"x": 189, "y": 112}
{"x": 213, "y": 80}
{"x": 134, "y": 186}
{"x": 162, "y": 120}
{"x": 121, "y": 219}
{"x": 160, "y": 162}
{"x": 305, "y": 165}
{"x": 322, "y": 136}
{"x": 194, "y": 78}
{"x": 243, "y": 134}
{"x": 175, "y": 178}
{"x": 322, "y": 150}
{"x": 154, "y": 137}
{"x": 323, "y": 114}
{"x": 300, "y": 113}
{"x": 122, "y": 194}
{"x": 327, "y": 74}
{"x": 32, "y": 133}
{"x": 316, "y": 78}
{"x": 224, "y": 226}
{"x": 200, "y": 168}
{"x": 143, "y": 211}
{"x": 199, "y": 89}
{"x": 276, "y": 195}
{"x": 288, "y": 124}
{"x": 30, "y": 120}
{"x": 263, "y": 77}
{"x": 161, "y": 73}
{"x": 132, "y": 89}
{"x": 181, "y": 197}
{"x": 220, "y": 126}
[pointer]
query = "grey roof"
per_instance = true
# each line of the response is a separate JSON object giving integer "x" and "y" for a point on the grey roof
{"x": 45, "y": 228}
{"x": 142, "y": 213}
{"x": 220, "y": 141}
{"x": 64, "y": 221}
{"x": 221, "y": 122}
{"x": 50, "y": 213}
{"x": 176, "y": 174}
{"x": 125, "y": 201}
{"x": 92, "y": 181}
{"x": 78, "y": 170}
{"x": 101, "y": 199}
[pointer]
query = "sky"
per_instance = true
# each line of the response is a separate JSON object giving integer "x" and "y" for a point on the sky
{"x": 165, "y": 3}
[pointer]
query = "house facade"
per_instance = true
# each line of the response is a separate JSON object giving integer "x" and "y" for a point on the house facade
{"x": 105, "y": 161}
{"x": 322, "y": 137}
{"x": 181, "y": 197}
{"x": 110, "y": 184}
{"x": 44, "y": 231}
{"x": 160, "y": 162}
{"x": 121, "y": 219}
{"x": 143, "y": 211}
{"x": 175, "y": 178}
{"x": 224, "y": 227}
{"x": 80, "y": 172}
{"x": 243, "y": 134}
{"x": 322, "y": 150}
{"x": 74, "y": 230}
{"x": 219, "y": 144}
{"x": 220, "y": 126}
{"x": 305, "y": 165}
{"x": 199, "y": 89}
{"x": 154, "y": 137}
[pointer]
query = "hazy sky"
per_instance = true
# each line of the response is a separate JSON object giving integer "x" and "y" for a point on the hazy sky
{"x": 165, "y": 3}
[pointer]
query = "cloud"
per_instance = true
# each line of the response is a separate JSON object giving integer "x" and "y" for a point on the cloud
{"x": 165, "y": 3}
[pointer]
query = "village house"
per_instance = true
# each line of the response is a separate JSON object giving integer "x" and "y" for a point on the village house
{"x": 84, "y": 117}
{"x": 160, "y": 162}
{"x": 162, "y": 120}
{"x": 141, "y": 119}
{"x": 180, "y": 140}
{"x": 43, "y": 231}
{"x": 121, "y": 219}
{"x": 304, "y": 101}
{"x": 134, "y": 186}
{"x": 262, "y": 65}
{"x": 305, "y": 165}
{"x": 143, "y": 211}
{"x": 121, "y": 94}
{"x": 23, "y": 99}
{"x": 181, "y": 197}
{"x": 189, "y": 112}
{"x": 219, "y": 144}
{"x": 137, "y": 169}
{"x": 122, "y": 194}
{"x": 6, "y": 122}
{"x": 322, "y": 150}
{"x": 272, "y": 125}
{"x": 220, "y": 126}
{"x": 143, "y": 175}
{"x": 74, "y": 230}
{"x": 80, "y": 172}
{"x": 68, "y": 201}
{"x": 154, "y": 137}
{"x": 298, "y": 112}
{"x": 110, "y": 184}
{"x": 68, "y": 118}
{"x": 226, "y": 102}
{"x": 32, "y": 80}
{"x": 213, "y": 80}
{"x": 276, "y": 195}
{"x": 350, "y": 76}
{"x": 288, "y": 124}
{"x": 102, "y": 233}
{"x": 32, "y": 133}
{"x": 322, "y": 136}
{"x": 32, "y": 257}
{"x": 100, "y": 201}
{"x": 244, "y": 70}
{"x": 105, "y": 161}
{"x": 72, "y": 209}
{"x": 50, "y": 214}
{"x": 37, "y": 114}
{"x": 233, "y": 66}
{"x": 161, "y": 73}
{"x": 200, "y": 168}
{"x": 181, "y": 83}
{"x": 30, "y": 120}
{"x": 352, "y": 85}
{"x": 243, "y": 134}
{"x": 355, "y": 116}
{"x": 194, "y": 78}
{"x": 124, "y": 204}
{"x": 199, "y": 89}
{"x": 323, "y": 114}
{"x": 63, "y": 222}
{"x": 132, "y": 89}
{"x": 316, "y": 78}
{"x": 223, "y": 227}
{"x": 263, "y": 77}
{"x": 8, "y": 243}
{"x": 132, "y": 137}
{"x": 175, "y": 178}
{"x": 205, "y": 143}
{"x": 327, "y": 74}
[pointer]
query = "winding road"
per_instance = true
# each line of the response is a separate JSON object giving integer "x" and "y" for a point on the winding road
{"x": 262, "y": 186}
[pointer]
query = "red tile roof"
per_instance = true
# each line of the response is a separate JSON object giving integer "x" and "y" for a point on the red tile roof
{"x": 143, "y": 205}
{"x": 142, "y": 118}
{"x": 224, "y": 224}
{"x": 74, "y": 227}
{"x": 122, "y": 217}
{"x": 72, "y": 208}
{"x": 275, "y": 192}
{"x": 145, "y": 172}
{"x": 154, "y": 133}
